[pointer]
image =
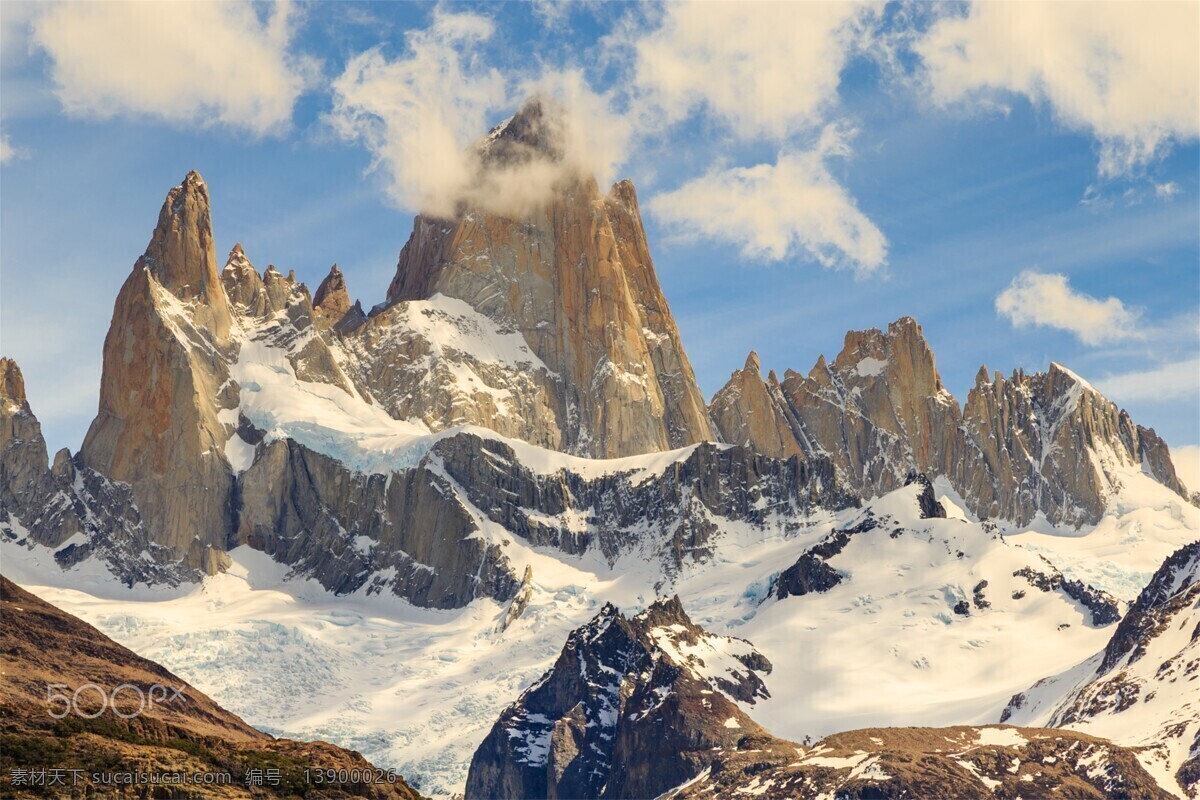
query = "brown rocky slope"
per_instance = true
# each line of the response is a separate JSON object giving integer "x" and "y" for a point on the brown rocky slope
{"x": 45, "y": 652}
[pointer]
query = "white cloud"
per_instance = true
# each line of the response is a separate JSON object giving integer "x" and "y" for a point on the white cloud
{"x": 1166, "y": 190}
{"x": 765, "y": 69}
{"x": 416, "y": 114}
{"x": 1187, "y": 465}
{"x": 186, "y": 63}
{"x": 773, "y": 210}
{"x": 1176, "y": 381}
{"x": 1035, "y": 298}
{"x": 1129, "y": 73}
{"x": 7, "y": 151}
{"x": 422, "y": 115}
{"x": 765, "y": 72}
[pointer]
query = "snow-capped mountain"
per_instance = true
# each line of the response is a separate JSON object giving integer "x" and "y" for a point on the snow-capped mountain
{"x": 1140, "y": 690}
{"x": 653, "y": 705}
{"x": 405, "y": 512}
{"x": 418, "y": 689}
{"x": 631, "y": 708}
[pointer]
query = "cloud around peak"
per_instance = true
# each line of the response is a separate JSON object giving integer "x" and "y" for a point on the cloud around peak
{"x": 423, "y": 116}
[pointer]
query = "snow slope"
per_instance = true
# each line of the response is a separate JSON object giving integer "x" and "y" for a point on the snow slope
{"x": 417, "y": 689}
{"x": 1141, "y": 689}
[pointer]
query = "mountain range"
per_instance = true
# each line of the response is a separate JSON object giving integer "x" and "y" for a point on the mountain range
{"x": 514, "y": 436}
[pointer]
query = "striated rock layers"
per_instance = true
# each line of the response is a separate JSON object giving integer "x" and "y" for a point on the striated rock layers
{"x": 632, "y": 707}
{"x": 1047, "y": 442}
{"x": 575, "y": 279}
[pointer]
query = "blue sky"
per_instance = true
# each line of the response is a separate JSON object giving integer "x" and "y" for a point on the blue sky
{"x": 1023, "y": 180}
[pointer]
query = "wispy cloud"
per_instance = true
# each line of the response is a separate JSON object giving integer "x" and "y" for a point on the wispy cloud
{"x": 766, "y": 70}
{"x": 8, "y": 152}
{"x": 422, "y": 115}
{"x": 1128, "y": 73}
{"x": 1179, "y": 380}
{"x": 771, "y": 211}
{"x": 185, "y": 63}
{"x": 1048, "y": 300}
{"x": 1187, "y": 465}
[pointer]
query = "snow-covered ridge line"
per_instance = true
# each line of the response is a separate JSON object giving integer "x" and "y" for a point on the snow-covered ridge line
{"x": 344, "y": 426}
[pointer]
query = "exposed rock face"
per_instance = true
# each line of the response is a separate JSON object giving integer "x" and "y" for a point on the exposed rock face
{"x": 26, "y": 484}
{"x": 811, "y": 573}
{"x": 879, "y": 410}
{"x": 185, "y": 732}
{"x": 958, "y": 763}
{"x": 1050, "y": 442}
{"x": 244, "y": 286}
{"x": 1139, "y": 690}
{"x": 277, "y": 310}
{"x": 1103, "y": 608}
{"x": 443, "y": 363}
{"x": 421, "y": 526}
{"x": 631, "y": 708}
{"x": 648, "y": 707}
{"x": 751, "y": 412}
{"x": 165, "y": 381}
{"x": 343, "y": 527}
{"x": 332, "y": 300}
{"x": 68, "y": 504}
{"x": 1047, "y": 442}
{"x": 684, "y": 506}
{"x": 576, "y": 281}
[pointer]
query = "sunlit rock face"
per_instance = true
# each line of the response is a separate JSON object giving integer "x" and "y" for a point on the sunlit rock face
{"x": 574, "y": 277}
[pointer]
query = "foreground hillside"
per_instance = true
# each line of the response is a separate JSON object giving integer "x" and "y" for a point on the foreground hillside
{"x": 178, "y": 730}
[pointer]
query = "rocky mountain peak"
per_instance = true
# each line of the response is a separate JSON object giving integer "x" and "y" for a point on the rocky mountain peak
{"x": 631, "y": 708}
{"x": 12, "y": 385}
{"x": 535, "y": 131}
{"x": 332, "y": 300}
{"x": 166, "y": 378}
{"x": 242, "y": 283}
{"x": 901, "y": 354}
{"x": 1025, "y": 443}
{"x": 752, "y": 412}
{"x": 752, "y": 363}
{"x": 181, "y": 254}
{"x": 574, "y": 277}
{"x": 663, "y": 613}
